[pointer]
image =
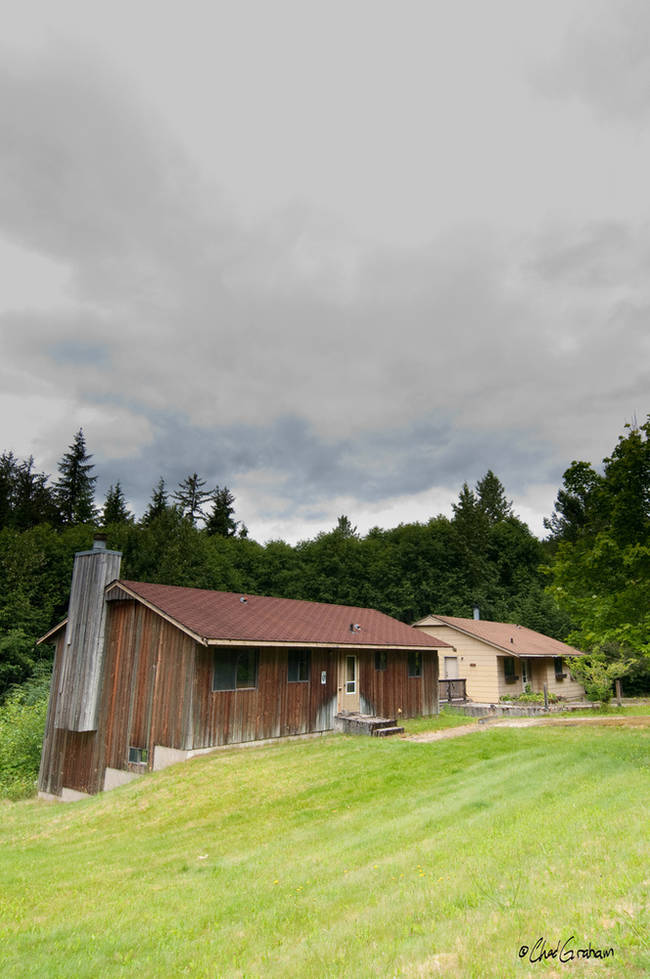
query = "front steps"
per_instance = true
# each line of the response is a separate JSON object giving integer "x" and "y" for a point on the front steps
{"x": 376, "y": 727}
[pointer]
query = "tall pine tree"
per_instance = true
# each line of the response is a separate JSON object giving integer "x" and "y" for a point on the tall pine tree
{"x": 492, "y": 498}
{"x": 115, "y": 508}
{"x": 75, "y": 487}
{"x": 191, "y": 497}
{"x": 159, "y": 502}
{"x": 220, "y": 520}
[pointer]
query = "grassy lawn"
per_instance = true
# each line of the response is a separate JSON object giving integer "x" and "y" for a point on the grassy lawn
{"x": 342, "y": 857}
{"x": 438, "y": 722}
{"x": 611, "y": 710}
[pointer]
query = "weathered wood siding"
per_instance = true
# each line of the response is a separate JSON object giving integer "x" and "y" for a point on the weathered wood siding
{"x": 145, "y": 699}
{"x": 69, "y": 758}
{"x": 147, "y": 690}
{"x": 79, "y": 679}
{"x": 274, "y": 709}
{"x": 392, "y": 692}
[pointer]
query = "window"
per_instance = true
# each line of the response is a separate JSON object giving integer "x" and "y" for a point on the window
{"x": 351, "y": 674}
{"x": 415, "y": 664}
{"x": 559, "y": 668}
{"x": 299, "y": 663}
{"x": 234, "y": 669}
{"x": 381, "y": 660}
{"x": 509, "y": 670}
{"x": 138, "y": 756}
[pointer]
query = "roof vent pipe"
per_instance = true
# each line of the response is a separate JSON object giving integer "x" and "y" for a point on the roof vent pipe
{"x": 477, "y": 612}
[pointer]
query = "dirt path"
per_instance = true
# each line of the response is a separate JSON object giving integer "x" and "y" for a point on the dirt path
{"x": 641, "y": 721}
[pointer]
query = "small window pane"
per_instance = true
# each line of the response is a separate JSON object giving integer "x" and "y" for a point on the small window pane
{"x": 351, "y": 674}
{"x": 298, "y": 667}
{"x": 225, "y": 670}
{"x": 234, "y": 669}
{"x": 381, "y": 660}
{"x": 247, "y": 669}
{"x": 415, "y": 664}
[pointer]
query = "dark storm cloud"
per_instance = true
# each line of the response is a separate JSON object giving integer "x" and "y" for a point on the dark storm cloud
{"x": 386, "y": 464}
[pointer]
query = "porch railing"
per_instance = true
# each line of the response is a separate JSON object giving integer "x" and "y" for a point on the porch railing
{"x": 452, "y": 690}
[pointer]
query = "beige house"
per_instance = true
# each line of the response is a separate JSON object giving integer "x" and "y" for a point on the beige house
{"x": 490, "y": 660}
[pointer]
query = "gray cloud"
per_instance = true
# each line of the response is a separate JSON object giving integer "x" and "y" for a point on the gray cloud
{"x": 605, "y": 60}
{"x": 287, "y": 357}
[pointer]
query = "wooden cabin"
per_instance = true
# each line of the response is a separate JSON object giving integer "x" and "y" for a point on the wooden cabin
{"x": 492, "y": 660}
{"x": 146, "y": 675}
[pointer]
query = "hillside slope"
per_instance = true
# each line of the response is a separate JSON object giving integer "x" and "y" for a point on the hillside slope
{"x": 340, "y": 857}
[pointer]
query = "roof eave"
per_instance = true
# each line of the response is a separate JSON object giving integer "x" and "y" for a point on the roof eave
{"x": 53, "y": 631}
{"x": 334, "y": 644}
{"x": 511, "y": 652}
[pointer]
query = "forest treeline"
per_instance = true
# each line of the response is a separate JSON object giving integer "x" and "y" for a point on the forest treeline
{"x": 588, "y": 582}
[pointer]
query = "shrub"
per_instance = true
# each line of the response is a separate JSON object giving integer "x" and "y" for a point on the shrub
{"x": 22, "y": 723}
{"x": 597, "y": 675}
{"x": 532, "y": 698}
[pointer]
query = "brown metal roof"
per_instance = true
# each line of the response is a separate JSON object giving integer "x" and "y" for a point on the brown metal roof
{"x": 516, "y": 640}
{"x": 222, "y": 617}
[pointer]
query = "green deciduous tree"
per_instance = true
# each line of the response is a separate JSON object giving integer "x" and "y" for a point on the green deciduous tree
{"x": 576, "y": 505}
{"x": 600, "y": 572}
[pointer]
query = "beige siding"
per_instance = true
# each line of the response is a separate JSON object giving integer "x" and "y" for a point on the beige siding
{"x": 481, "y": 665}
{"x": 568, "y": 689}
{"x": 477, "y": 663}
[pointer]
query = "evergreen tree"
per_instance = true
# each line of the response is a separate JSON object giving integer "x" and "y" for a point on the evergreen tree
{"x": 344, "y": 527}
{"x": 220, "y": 520}
{"x": 576, "y": 505}
{"x": 34, "y": 500}
{"x": 191, "y": 497}
{"x": 25, "y": 498}
{"x": 115, "y": 509}
{"x": 8, "y": 477}
{"x": 491, "y": 498}
{"x": 159, "y": 502}
{"x": 75, "y": 488}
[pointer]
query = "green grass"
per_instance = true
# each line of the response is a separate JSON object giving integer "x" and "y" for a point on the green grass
{"x": 610, "y": 710}
{"x": 341, "y": 857}
{"x": 437, "y": 722}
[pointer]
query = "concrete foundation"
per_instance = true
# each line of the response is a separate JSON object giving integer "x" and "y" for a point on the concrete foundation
{"x": 115, "y": 776}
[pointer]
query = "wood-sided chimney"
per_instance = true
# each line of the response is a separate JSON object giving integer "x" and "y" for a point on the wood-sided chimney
{"x": 83, "y": 655}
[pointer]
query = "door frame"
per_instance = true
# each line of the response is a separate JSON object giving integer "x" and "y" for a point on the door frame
{"x": 348, "y": 699}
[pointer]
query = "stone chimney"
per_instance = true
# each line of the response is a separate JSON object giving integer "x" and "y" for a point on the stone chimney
{"x": 83, "y": 654}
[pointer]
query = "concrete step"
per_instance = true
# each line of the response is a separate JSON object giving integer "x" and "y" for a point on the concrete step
{"x": 353, "y": 723}
{"x": 385, "y": 732}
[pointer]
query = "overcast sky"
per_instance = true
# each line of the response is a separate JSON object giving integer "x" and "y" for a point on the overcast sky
{"x": 339, "y": 256}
